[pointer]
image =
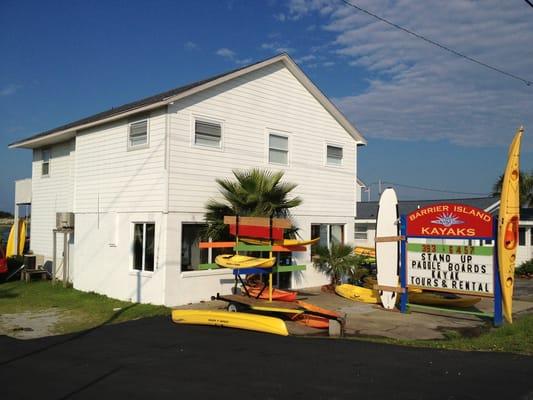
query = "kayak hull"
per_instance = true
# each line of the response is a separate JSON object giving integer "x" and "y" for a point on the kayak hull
{"x": 237, "y": 261}
{"x": 508, "y": 220}
{"x": 358, "y": 293}
{"x": 237, "y": 320}
{"x": 277, "y": 294}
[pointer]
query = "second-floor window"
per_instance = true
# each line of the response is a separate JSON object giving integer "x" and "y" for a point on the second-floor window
{"x": 334, "y": 155}
{"x": 138, "y": 134}
{"x": 207, "y": 133}
{"x": 45, "y": 167}
{"x": 278, "y": 149}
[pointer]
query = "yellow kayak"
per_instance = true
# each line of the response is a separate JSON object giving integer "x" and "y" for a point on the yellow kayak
{"x": 238, "y": 261}
{"x": 508, "y": 221}
{"x": 10, "y": 248}
{"x": 358, "y": 293}
{"x": 239, "y": 320}
{"x": 365, "y": 251}
{"x": 370, "y": 281}
{"x": 284, "y": 242}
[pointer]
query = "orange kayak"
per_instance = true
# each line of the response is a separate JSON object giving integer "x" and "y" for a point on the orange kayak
{"x": 277, "y": 294}
{"x": 313, "y": 321}
{"x": 318, "y": 310}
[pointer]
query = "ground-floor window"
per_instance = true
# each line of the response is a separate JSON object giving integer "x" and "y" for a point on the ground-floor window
{"x": 192, "y": 256}
{"x": 143, "y": 246}
{"x": 329, "y": 234}
{"x": 360, "y": 232}
{"x": 522, "y": 236}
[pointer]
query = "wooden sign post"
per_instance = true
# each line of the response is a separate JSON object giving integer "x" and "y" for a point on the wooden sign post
{"x": 454, "y": 265}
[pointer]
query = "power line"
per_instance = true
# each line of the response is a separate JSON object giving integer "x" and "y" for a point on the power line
{"x": 428, "y": 189}
{"x": 528, "y": 2}
{"x": 458, "y": 54}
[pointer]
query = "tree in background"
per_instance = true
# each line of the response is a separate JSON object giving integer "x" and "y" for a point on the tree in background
{"x": 526, "y": 188}
{"x": 5, "y": 214}
{"x": 253, "y": 193}
{"x": 337, "y": 261}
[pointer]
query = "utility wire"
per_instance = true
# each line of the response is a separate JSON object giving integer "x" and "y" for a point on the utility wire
{"x": 432, "y": 190}
{"x": 528, "y": 2}
{"x": 501, "y": 71}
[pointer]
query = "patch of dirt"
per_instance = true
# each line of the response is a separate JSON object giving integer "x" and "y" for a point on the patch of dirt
{"x": 30, "y": 325}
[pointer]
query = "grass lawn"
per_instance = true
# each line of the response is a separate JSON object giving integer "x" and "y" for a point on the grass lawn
{"x": 515, "y": 338}
{"x": 82, "y": 310}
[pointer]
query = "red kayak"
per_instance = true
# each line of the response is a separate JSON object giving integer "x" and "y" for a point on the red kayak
{"x": 277, "y": 294}
{"x": 318, "y": 310}
{"x": 3, "y": 261}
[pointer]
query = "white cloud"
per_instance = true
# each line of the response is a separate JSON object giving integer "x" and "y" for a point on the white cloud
{"x": 9, "y": 90}
{"x": 280, "y": 17}
{"x": 226, "y": 53}
{"x": 278, "y": 47}
{"x": 304, "y": 59}
{"x": 244, "y": 61}
{"x": 420, "y": 92}
{"x": 190, "y": 45}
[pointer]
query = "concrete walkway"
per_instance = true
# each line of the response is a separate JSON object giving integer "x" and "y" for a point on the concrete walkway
{"x": 371, "y": 320}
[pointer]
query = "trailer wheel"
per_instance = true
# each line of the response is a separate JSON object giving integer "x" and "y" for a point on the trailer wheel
{"x": 234, "y": 307}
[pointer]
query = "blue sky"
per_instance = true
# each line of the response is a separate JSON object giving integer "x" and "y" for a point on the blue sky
{"x": 431, "y": 119}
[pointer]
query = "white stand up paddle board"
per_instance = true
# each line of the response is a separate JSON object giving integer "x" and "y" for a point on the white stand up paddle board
{"x": 387, "y": 247}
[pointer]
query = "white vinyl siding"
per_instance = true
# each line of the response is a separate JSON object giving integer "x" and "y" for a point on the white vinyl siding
{"x": 51, "y": 195}
{"x": 278, "y": 149}
{"x": 111, "y": 178}
{"x": 251, "y": 107}
{"x": 333, "y": 155}
{"x": 138, "y": 134}
{"x": 45, "y": 165}
{"x": 207, "y": 133}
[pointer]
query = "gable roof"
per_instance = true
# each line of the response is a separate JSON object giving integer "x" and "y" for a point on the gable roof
{"x": 368, "y": 210}
{"x": 69, "y": 130}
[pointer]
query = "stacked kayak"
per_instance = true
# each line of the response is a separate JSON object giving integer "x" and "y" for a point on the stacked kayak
{"x": 236, "y": 261}
{"x": 284, "y": 242}
{"x": 277, "y": 294}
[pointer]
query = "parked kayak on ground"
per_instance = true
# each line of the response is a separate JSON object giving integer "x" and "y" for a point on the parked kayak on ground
{"x": 358, "y": 293}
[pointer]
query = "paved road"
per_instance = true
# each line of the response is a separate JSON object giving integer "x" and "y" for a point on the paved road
{"x": 153, "y": 359}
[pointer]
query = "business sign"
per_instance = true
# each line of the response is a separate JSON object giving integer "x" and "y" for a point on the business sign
{"x": 457, "y": 221}
{"x": 451, "y": 268}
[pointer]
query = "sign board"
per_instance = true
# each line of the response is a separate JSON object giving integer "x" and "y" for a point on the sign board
{"x": 450, "y": 220}
{"x": 451, "y": 268}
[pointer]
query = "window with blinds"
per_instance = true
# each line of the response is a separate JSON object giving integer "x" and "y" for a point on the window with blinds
{"x": 138, "y": 134}
{"x": 207, "y": 133}
{"x": 334, "y": 155}
{"x": 278, "y": 149}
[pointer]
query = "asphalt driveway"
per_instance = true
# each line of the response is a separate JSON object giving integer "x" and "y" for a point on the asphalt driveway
{"x": 154, "y": 358}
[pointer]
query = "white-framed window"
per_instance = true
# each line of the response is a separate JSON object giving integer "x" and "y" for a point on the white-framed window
{"x": 278, "y": 149}
{"x": 333, "y": 155}
{"x": 138, "y": 134}
{"x": 192, "y": 256}
{"x": 45, "y": 165}
{"x": 207, "y": 133}
{"x": 329, "y": 234}
{"x": 143, "y": 246}
{"x": 360, "y": 232}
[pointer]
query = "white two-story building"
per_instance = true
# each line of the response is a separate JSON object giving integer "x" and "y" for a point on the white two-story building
{"x": 137, "y": 178}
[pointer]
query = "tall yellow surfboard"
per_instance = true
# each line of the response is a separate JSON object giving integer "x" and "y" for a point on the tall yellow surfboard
{"x": 10, "y": 248}
{"x": 508, "y": 221}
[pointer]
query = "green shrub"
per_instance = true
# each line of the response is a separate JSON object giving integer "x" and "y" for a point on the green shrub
{"x": 526, "y": 268}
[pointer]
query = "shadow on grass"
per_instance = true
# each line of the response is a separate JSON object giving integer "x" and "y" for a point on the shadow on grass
{"x": 7, "y": 294}
{"x": 72, "y": 337}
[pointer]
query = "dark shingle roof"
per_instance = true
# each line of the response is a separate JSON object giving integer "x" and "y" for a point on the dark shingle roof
{"x": 136, "y": 104}
{"x": 369, "y": 209}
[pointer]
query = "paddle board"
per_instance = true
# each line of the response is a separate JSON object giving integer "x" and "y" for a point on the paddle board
{"x": 229, "y": 319}
{"x": 508, "y": 220}
{"x": 387, "y": 251}
{"x": 10, "y": 248}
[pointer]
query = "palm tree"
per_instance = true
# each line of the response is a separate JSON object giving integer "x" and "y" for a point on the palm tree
{"x": 336, "y": 261}
{"x": 254, "y": 193}
{"x": 526, "y": 188}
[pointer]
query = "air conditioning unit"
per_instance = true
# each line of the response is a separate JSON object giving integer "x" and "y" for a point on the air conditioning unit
{"x": 64, "y": 220}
